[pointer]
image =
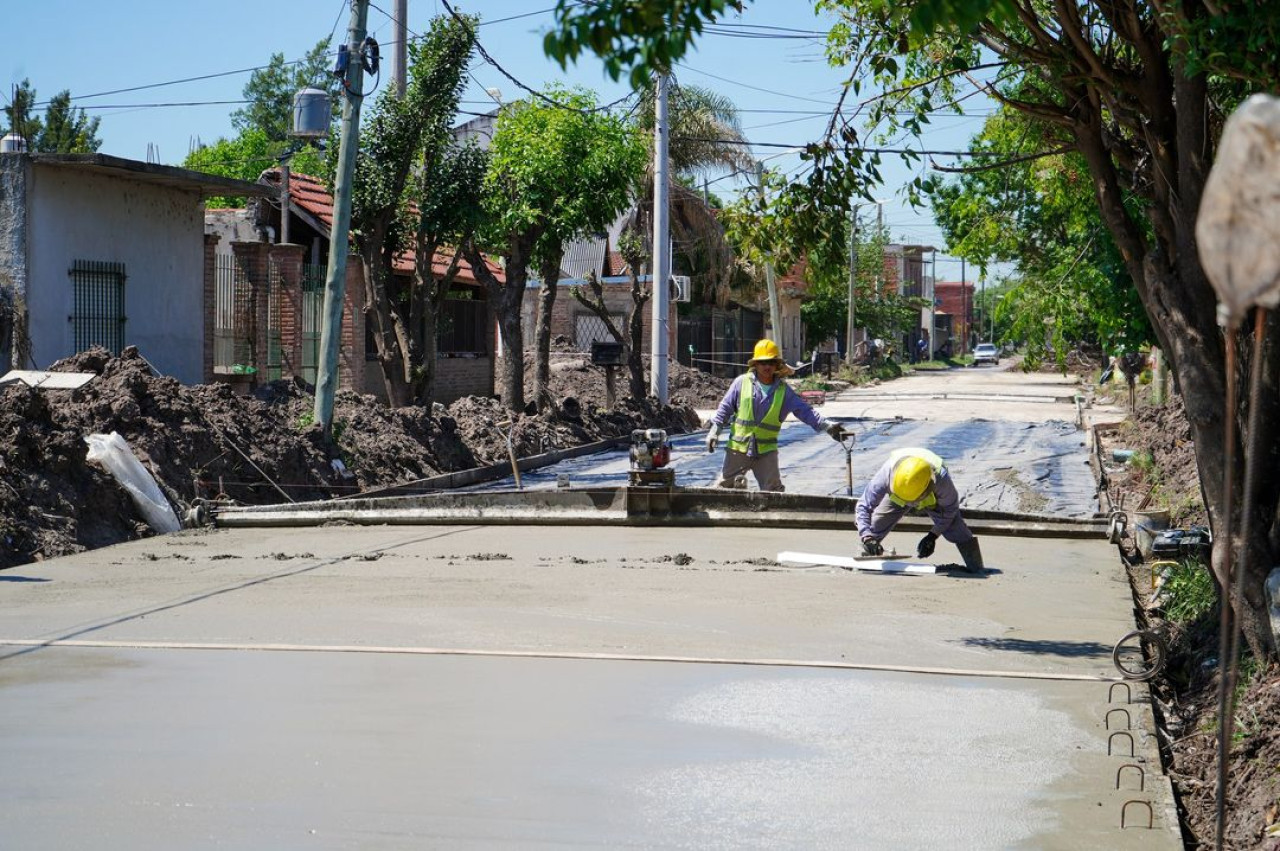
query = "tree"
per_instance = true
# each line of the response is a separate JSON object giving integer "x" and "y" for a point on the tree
{"x": 63, "y": 130}
{"x": 632, "y": 250}
{"x": 1138, "y": 89}
{"x": 245, "y": 158}
{"x": 704, "y": 136}
{"x": 270, "y": 92}
{"x": 1041, "y": 214}
{"x": 19, "y": 114}
{"x": 439, "y": 206}
{"x": 262, "y": 139}
{"x": 559, "y": 167}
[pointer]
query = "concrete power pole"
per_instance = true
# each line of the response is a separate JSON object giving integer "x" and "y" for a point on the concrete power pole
{"x": 335, "y": 282}
{"x": 775, "y": 314}
{"x": 851, "y": 325}
{"x": 400, "y": 50}
{"x": 661, "y": 247}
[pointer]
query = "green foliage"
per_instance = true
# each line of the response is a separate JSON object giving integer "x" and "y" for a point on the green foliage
{"x": 641, "y": 38}
{"x": 63, "y": 130}
{"x": 1071, "y": 284}
{"x": 1190, "y": 592}
{"x": 558, "y": 170}
{"x": 270, "y": 92}
{"x": 245, "y": 158}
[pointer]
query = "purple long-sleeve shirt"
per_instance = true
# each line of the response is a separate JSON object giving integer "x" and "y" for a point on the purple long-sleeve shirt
{"x": 761, "y": 399}
{"x": 943, "y": 514}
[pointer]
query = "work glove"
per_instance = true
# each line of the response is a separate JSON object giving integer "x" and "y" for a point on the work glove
{"x": 871, "y": 547}
{"x": 925, "y": 548}
{"x": 713, "y": 435}
{"x": 836, "y": 431}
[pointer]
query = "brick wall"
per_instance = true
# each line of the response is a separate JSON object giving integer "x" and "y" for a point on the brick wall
{"x": 287, "y": 260}
{"x": 458, "y": 377}
{"x": 351, "y": 362}
{"x": 209, "y": 301}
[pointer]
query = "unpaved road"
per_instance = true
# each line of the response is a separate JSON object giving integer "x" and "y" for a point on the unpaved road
{"x": 478, "y": 687}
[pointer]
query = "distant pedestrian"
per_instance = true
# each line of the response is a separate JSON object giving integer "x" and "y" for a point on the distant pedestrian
{"x": 754, "y": 408}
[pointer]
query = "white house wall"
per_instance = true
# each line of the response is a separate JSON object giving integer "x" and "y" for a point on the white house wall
{"x": 155, "y": 231}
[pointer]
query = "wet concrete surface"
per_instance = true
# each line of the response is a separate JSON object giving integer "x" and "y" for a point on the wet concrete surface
{"x": 528, "y": 687}
{"x": 329, "y": 717}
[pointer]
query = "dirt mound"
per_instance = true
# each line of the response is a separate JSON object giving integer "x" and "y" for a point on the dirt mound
{"x": 573, "y": 375}
{"x": 206, "y": 442}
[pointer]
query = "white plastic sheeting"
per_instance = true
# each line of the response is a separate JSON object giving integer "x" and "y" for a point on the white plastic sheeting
{"x": 113, "y": 453}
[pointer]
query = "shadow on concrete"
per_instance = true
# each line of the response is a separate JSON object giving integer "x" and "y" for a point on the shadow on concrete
{"x": 1067, "y": 649}
{"x": 7, "y": 578}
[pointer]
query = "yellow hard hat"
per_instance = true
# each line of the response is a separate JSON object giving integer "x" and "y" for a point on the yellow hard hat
{"x": 765, "y": 350}
{"x": 911, "y": 478}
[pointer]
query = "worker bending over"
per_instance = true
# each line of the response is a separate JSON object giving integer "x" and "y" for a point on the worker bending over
{"x": 754, "y": 408}
{"x": 915, "y": 479}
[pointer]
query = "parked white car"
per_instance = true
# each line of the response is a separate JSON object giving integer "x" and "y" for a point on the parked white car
{"x": 986, "y": 353}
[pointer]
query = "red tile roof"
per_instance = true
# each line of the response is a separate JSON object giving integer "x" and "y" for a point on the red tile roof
{"x": 310, "y": 195}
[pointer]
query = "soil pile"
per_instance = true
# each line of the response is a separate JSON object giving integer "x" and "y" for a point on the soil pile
{"x": 206, "y": 442}
{"x": 573, "y": 375}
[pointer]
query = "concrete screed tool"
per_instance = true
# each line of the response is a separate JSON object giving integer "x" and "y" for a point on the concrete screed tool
{"x": 880, "y": 564}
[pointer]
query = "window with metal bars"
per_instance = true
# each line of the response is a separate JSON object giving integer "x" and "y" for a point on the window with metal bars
{"x": 97, "y": 317}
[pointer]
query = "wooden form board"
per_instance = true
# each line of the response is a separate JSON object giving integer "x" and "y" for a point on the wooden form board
{"x": 881, "y": 565}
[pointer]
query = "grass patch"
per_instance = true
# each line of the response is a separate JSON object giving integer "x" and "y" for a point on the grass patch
{"x": 1190, "y": 592}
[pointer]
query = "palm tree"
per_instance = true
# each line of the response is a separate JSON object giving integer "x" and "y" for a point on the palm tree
{"x": 705, "y": 138}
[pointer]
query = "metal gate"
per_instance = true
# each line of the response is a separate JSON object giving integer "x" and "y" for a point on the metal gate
{"x": 233, "y": 314}
{"x": 313, "y": 276}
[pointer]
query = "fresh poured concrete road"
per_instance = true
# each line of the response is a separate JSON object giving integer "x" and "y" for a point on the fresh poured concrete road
{"x": 526, "y": 687}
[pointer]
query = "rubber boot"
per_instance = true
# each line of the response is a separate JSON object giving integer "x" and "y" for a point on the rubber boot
{"x": 971, "y": 551}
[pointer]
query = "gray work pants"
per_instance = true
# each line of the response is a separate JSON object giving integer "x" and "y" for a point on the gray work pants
{"x": 764, "y": 467}
{"x": 887, "y": 514}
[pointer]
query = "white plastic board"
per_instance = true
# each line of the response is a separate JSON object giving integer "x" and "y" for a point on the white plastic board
{"x": 881, "y": 565}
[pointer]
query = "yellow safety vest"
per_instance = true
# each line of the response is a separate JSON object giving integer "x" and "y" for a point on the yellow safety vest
{"x": 746, "y": 426}
{"x": 934, "y": 461}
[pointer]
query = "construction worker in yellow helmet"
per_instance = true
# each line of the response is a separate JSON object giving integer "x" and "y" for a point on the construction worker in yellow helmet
{"x": 754, "y": 407}
{"x": 915, "y": 479}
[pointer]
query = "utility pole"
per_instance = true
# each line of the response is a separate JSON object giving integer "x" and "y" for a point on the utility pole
{"x": 964, "y": 309}
{"x": 775, "y": 315}
{"x": 400, "y": 49}
{"x": 661, "y": 249}
{"x": 851, "y": 325}
{"x": 335, "y": 283}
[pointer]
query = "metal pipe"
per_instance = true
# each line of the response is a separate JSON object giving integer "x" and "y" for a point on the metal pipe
{"x": 1226, "y": 621}
{"x": 1231, "y": 661}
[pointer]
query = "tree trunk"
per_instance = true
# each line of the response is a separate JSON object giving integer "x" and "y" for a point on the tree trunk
{"x": 381, "y": 312}
{"x": 507, "y": 299}
{"x": 1181, "y": 304}
{"x": 549, "y": 273}
{"x": 635, "y": 346}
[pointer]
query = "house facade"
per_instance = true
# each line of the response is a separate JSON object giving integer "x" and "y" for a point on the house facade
{"x": 465, "y": 339}
{"x": 98, "y": 250}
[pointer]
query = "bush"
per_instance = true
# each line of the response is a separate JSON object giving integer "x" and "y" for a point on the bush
{"x": 1190, "y": 592}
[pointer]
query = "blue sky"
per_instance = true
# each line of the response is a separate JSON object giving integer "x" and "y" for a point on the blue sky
{"x": 783, "y": 86}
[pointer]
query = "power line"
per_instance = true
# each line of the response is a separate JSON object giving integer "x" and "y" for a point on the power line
{"x": 755, "y": 88}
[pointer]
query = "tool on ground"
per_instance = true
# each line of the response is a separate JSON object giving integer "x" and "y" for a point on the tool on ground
{"x": 511, "y": 452}
{"x": 650, "y": 453}
{"x": 878, "y": 563}
{"x": 847, "y": 440}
